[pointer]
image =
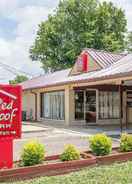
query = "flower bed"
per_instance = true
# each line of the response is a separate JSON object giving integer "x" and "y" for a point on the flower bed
{"x": 115, "y": 156}
{"x": 49, "y": 167}
{"x": 53, "y": 166}
{"x": 36, "y": 164}
{"x": 101, "y": 146}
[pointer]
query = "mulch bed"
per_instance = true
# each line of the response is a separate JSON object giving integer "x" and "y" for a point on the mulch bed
{"x": 115, "y": 156}
{"x": 51, "y": 166}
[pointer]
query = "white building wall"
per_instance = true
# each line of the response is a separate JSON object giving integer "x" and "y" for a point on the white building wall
{"x": 28, "y": 105}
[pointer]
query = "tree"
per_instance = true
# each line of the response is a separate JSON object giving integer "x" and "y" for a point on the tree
{"x": 129, "y": 42}
{"x": 18, "y": 79}
{"x": 111, "y": 28}
{"x": 75, "y": 25}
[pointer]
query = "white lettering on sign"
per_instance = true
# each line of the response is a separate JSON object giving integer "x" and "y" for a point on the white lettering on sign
{"x": 8, "y": 132}
{"x": 5, "y": 126}
{"x": 7, "y": 116}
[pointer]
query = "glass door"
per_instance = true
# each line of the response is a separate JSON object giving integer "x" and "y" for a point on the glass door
{"x": 79, "y": 105}
{"x": 90, "y": 106}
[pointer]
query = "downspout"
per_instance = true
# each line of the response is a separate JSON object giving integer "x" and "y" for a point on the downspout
{"x": 36, "y": 110}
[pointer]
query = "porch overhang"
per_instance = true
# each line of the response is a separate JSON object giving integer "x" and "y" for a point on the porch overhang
{"x": 104, "y": 87}
{"x": 120, "y": 88}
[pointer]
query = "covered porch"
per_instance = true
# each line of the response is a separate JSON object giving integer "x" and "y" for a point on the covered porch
{"x": 104, "y": 105}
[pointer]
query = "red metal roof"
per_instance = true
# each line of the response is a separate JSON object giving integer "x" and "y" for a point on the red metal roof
{"x": 47, "y": 79}
{"x": 103, "y": 58}
{"x": 117, "y": 67}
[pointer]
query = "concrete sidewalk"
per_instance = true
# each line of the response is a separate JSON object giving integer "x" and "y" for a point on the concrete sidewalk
{"x": 84, "y": 130}
{"x": 27, "y": 128}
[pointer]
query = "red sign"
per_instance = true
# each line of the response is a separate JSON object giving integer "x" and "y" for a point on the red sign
{"x": 10, "y": 111}
{"x": 6, "y": 155}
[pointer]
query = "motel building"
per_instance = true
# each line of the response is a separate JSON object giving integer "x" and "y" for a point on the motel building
{"x": 97, "y": 90}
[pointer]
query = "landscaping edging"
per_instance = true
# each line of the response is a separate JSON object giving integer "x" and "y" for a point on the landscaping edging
{"x": 51, "y": 169}
{"x": 47, "y": 169}
{"x": 117, "y": 157}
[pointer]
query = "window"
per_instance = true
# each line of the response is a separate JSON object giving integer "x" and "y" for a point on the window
{"x": 52, "y": 105}
{"x": 109, "y": 105}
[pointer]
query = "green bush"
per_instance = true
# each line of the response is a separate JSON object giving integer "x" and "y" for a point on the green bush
{"x": 126, "y": 142}
{"x": 33, "y": 153}
{"x": 100, "y": 144}
{"x": 70, "y": 153}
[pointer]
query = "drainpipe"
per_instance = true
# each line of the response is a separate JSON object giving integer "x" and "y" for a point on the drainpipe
{"x": 35, "y": 95}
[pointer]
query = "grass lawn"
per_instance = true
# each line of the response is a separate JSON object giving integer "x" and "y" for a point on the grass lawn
{"x": 112, "y": 174}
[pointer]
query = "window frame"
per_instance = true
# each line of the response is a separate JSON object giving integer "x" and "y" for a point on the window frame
{"x": 109, "y": 105}
{"x": 42, "y": 94}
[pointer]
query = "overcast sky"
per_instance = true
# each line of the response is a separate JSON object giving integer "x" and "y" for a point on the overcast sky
{"x": 19, "y": 21}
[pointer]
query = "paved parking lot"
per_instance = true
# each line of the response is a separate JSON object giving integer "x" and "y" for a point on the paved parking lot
{"x": 53, "y": 138}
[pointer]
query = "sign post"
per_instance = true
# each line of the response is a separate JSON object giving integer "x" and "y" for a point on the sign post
{"x": 6, "y": 154}
{"x": 10, "y": 122}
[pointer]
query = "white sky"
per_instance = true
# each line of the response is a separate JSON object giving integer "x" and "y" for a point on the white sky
{"x": 19, "y": 21}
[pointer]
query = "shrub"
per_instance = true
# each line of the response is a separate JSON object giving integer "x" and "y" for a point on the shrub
{"x": 126, "y": 142}
{"x": 100, "y": 144}
{"x": 70, "y": 153}
{"x": 33, "y": 153}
